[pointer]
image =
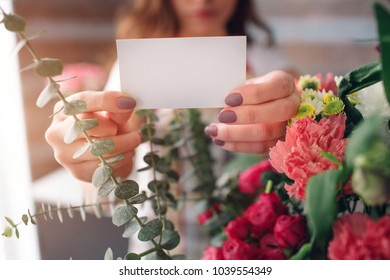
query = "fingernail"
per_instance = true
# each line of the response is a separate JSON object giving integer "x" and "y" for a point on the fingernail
{"x": 234, "y": 99}
{"x": 227, "y": 117}
{"x": 211, "y": 130}
{"x": 125, "y": 102}
{"x": 219, "y": 142}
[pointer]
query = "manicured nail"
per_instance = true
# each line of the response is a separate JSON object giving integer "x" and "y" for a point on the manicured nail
{"x": 234, "y": 99}
{"x": 125, "y": 102}
{"x": 211, "y": 130}
{"x": 227, "y": 117}
{"x": 219, "y": 142}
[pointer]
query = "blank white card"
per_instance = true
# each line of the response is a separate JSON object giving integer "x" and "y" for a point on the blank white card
{"x": 194, "y": 72}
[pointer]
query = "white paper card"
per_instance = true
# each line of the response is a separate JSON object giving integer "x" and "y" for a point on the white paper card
{"x": 194, "y": 72}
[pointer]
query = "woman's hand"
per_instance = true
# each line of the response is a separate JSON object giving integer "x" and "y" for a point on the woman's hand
{"x": 113, "y": 111}
{"x": 257, "y": 114}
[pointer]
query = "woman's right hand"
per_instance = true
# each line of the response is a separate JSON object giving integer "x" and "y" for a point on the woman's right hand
{"x": 113, "y": 111}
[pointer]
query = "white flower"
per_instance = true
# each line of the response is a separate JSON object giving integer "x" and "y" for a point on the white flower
{"x": 373, "y": 100}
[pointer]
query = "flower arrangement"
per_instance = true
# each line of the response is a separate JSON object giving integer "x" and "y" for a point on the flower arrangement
{"x": 323, "y": 193}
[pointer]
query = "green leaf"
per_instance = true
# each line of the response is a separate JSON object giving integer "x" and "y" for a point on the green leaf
{"x": 49, "y": 67}
{"x": 138, "y": 199}
{"x": 151, "y": 158}
{"x": 158, "y": 186}
{"x": 179, "y": 257}
{"x": 332, "y": 158}
{"x": 362, "y": 138}
{"x": 109, "y": 255}
{"x": 25, "y": 219}
{"x": 10, "y": 221}
{"x": 106, "y": 188}
{"x": 127, "y": 189}
{"x": 115, "y": 159}
{"x": 170, "y": 239}
{"x": 151, "y": 230}
{"x": 75, "y": 107}
{"x": 14, "y": 23}
{"x": 101, "y": 146}
{"x": 101, "y": 175}
{"x": 7, "y": 232}
{"x": 17, "y": 233}
{"x": 132, "y": 227}
{"x": 132, "y": 257}
{"x": 159, "y": 255}
{"x": 81, "y": 151}
{"x": 79, "y": 127}
{"x": 383, "y": 25}
{"x": 123, "y": 215}
{"x": 321, "y": 207}
{"x": 47, "y": 94}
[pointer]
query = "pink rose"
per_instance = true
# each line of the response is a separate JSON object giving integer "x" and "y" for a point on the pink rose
{"x": 270, "y": 248}
{"x": 212, "y": 253}
{"x": 210, "y": 212}
{"x": 263, "y": 213}
{"x": 299, "y": 156}
{"x": 249, "y": 181}
{"x": 235, "y": 249}
{"x": 290, "y": 231}
{"x": 357, "y": 237}
{"x": 238, "y": 228}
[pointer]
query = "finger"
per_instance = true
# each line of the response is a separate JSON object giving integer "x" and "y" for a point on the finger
{"x": 247, "y": 147}
{"x": 274, "y": 111}
{"x": 275, "y": 85}
{"x": 110, "y": 101}
{"x": 249, "y": 133}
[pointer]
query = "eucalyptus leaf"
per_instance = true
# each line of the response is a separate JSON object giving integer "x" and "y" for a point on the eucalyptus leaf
{"x": 383, "y": 25}
{"x": 138, "y": 199}
{"x": 151, "y": 158}
{"x": 17, "y": 233}
{"x": 77, "y": 129}
{"x": 50, "y": 212}
{"x": 132, "y": 227}
{"x": 101, "y": 146}
{"x": 75, "y": 107}
{"x": 101, "y": 175}
{"x": 31, "y": 217}
{"x": 25, "y": 219}
{"x": 7, "y": 232}
{"x": 47, "y": 94}
{"x": 132, "y": 257}
{"x": 127, "y": 189}
{"x": 115, "y": 159}
{"x": 321, "y": 207}
{"x": 159, "y": 255}
{"x": 81, "y": 151}
{"x": 83, "y": 214}
{"x": 14, "y": 23}
{"x": 151, "y": 230}
{"x": 98, "y": 210}
{"x": 124, "y": 214}
{"x": 170, "y": 239}
{"x": 106, "y": 188}
{"x": 9, "y": 220}
{"x": 109, "y": 255}
{"x": 49, "y": 67}
{"x": 70, "y": 211}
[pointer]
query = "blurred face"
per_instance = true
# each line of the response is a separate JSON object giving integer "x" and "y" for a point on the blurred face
{"x": 203, "y": 17}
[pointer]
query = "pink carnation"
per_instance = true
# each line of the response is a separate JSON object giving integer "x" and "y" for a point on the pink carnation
{"x": 357, "y": 237}
{"x": 299, "y": 156}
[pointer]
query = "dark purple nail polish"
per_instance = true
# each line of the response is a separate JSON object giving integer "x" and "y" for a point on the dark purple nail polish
{"x": 125, "y": 102}
{"x": 211, "y": 130}
{"x": 219, "y": 142}
{"x": 227, "y": 117}
{"x": 234, "y": 99}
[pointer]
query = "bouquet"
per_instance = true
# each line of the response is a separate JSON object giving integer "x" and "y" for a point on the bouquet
{"x": 324, "y": 191}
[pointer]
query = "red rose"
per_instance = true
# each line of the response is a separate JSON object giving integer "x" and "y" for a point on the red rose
{"x": 270, "y": 249}
{"x": 212, "y": 253}
{"x": 249, "y": 181}
{"x": 235, "y": 249}
{"x": 357, "y": 237}
{"x": 238, "y": 228}
{"x": 263, "y": 213}
{"x": 206, "y": 215}
{"x": 290, "y": 231}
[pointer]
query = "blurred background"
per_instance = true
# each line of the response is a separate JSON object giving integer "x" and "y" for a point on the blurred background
{"x": 315, "y": 35}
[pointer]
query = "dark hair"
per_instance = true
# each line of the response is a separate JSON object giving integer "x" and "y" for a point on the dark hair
{"x": 156, "y": 18}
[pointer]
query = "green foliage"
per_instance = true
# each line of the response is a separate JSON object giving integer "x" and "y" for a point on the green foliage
{"x": 150, "y": 230}
{"x": 14, "y": 23}
{"x": 101, "y": 175}
{"x": 127, "y": 189}
{"x": 123, "y": 215}
{"x": 47, "y": 94}
{"x": 101, "y": 146}
{"x": 74, "y": 107}
{"x": 78, "y": 128}
{"x": 132, "y": 227}
{"x": 49, "y": 67}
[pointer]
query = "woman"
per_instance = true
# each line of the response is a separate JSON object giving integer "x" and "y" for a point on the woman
{"x": 255, "y": 115}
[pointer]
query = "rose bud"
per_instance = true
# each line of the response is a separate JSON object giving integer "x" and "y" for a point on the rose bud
{"x": 206, "y": 215}
{"x": 235, "y": 249}
{"x": 249, "y": 181}
{"x": 270, "y": 249}
{"x": 290, "y": 231}
{"x": 212, "y": 253}
{"x": 238, "y": 228}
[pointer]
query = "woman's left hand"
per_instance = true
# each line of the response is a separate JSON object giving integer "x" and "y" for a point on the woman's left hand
{"x": 257, "y": 114}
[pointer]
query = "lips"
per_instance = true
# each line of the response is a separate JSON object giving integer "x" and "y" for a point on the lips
{"x": 204, "y": 14}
